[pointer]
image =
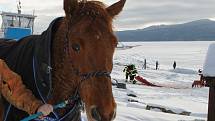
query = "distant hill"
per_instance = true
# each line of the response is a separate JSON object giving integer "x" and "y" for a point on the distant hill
{"x": 200, "y": 30}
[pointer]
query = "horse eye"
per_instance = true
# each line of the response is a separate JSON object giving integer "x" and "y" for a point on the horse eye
{"x": 76, "y": 47}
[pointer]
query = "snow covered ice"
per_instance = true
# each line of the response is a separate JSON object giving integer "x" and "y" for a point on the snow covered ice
{"x": 176, "y": 95}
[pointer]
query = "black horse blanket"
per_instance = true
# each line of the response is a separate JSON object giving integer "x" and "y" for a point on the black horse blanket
{"x": 30, "y": 57}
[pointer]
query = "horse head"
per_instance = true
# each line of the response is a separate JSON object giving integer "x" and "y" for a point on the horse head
{"x": 83, "y": 48}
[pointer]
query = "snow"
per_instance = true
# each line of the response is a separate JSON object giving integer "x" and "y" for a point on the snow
{"x": 176, "y": 94}
{"x": 209, "y": 65}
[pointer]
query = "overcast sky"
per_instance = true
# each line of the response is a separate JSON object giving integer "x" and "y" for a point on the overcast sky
{"x": 136, "y": 14}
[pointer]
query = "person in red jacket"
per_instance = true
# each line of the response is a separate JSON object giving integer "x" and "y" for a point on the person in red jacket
{"x": 15, "y": 92}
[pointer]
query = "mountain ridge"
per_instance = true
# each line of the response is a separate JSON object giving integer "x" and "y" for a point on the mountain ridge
{"x": 199, "y": 30}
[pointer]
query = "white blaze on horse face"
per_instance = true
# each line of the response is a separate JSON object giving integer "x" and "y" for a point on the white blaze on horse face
{"x": 97, "y": 37}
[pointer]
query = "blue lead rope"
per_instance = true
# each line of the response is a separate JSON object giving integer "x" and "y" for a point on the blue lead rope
{"x": 34, "y": 116}
{"x": 46, "y": 119}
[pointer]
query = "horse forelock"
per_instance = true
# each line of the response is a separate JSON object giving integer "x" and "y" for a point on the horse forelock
{"x": 91, "y": 13}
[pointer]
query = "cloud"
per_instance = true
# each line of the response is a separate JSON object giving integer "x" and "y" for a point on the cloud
{"x": 136, "y": 14}
{"x": 140, "y": 13}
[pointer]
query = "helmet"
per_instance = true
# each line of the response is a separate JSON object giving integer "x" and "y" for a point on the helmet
{"x": 133, "y": 66}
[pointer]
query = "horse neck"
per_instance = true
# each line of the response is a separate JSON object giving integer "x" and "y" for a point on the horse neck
{"x": 63, "y": 87}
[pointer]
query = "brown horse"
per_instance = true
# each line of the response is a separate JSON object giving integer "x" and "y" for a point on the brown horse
{"x": 198, "y": 83}
{"x": 82, "y": 51}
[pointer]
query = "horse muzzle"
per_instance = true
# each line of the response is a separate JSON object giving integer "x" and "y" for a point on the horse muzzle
{"x": 106, "y": 116}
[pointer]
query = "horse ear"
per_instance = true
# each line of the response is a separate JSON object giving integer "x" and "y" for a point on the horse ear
{"x": 116, "y": 8}
{"x": 70, "y": 6}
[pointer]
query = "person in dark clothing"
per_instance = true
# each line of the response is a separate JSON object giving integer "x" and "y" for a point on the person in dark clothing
{"x": 174, "y": 65}
{"x": 156, "y": 65}
{"x": 131, "y": 71}
{"x": 144, "y": 65}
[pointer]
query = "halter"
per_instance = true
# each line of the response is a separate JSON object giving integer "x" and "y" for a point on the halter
{"x": 75, "y": 100}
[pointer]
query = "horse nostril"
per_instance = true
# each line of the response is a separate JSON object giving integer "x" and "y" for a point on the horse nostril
{"x": 95, "y": 114}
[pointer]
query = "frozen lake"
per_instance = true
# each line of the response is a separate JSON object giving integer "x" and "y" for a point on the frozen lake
{"x": 176, "y": 94}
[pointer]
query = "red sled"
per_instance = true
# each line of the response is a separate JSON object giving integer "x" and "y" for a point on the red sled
{"x": 145, "y": 82}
